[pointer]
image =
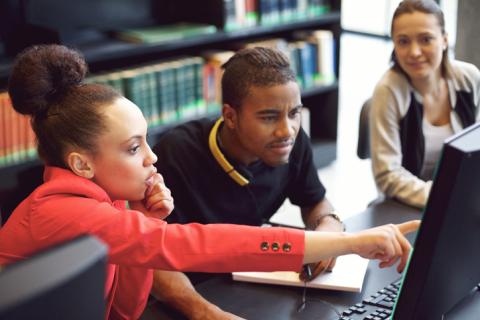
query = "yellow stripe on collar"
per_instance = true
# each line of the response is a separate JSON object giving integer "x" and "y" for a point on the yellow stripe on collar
{"x": 220, "y": 157}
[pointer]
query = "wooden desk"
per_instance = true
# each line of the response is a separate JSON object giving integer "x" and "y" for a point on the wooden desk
{"x": 260, "y": 301}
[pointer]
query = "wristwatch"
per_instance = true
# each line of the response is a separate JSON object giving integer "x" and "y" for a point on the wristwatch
{"x": 332, "y": 214}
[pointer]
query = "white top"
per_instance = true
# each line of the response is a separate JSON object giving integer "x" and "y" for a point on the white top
{"x": 434, "y": 138}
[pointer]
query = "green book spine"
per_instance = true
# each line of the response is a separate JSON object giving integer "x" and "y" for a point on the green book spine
{"x": 180, "y": 89}
{"x": 190, "y": 101}
{"x": 166, "y": 87}
{"x": 144, "y": 96}
{"x": 294, "y": 61}
{"x": 172, "y": 114}
{"x": 133, "y": 83}
{"x": 159, "y": 75}
{"x": 150, "y": 95}
{"x": 155, "y": 92}
{"x": 200, "y": 104}
{"x": 230, "y": 15}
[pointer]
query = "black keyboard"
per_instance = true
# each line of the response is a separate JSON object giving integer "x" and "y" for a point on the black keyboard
{"x": 378, "y": 306}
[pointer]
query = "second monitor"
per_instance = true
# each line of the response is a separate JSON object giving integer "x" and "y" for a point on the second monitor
{"x": 444, "y": 266}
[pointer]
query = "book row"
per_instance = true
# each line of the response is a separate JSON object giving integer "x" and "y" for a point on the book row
{"x": 238, "y": 14}
{"x": 17, "y": 140}
{"x": 246, "y": 13}
{"x": 190, "y": 87}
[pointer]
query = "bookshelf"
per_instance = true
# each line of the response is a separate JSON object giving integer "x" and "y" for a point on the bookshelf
{"x": 105, "y": 53}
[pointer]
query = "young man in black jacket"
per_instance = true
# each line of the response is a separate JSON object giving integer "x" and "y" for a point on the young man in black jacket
{"x": 241, "y": 168}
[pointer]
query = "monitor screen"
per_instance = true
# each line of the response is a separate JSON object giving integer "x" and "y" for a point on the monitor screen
{"x": 444, "y": 266}
{"x": 63, "y": 282}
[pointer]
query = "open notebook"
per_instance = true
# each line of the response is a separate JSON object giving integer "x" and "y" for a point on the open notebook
{"x": 347, "y": 275}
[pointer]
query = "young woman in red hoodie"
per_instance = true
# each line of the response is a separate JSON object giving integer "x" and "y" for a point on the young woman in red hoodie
{"x": 93, "y": 143}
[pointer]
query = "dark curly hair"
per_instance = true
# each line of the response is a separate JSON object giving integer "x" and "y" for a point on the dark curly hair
{"x": 46, "y": 82}
{"x": 257, "y": 66}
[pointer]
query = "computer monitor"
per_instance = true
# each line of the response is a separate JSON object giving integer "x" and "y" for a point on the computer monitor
{"x": 445, "y": 265}
{"x": 63, "y": 282}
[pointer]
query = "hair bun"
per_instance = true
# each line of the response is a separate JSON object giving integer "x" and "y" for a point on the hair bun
{"x": 43, "y": 73}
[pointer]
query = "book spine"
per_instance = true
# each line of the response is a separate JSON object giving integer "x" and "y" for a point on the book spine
{"x": 143, "y": 93}
{"x": 209, "y": 87}
{"x": 240, "y": 8}
{"x": 308, "y": 65}
{"x": 190, "y": 101}
{"x": 150, "y": 95}
{"x": 295, "y": 61}
{"x": 326, "y": 56}
{"x": 285, "y": 10}
{"x": 302, "y": 9}
{"x": 214, "y": 72}
{"x": 230, "y": 15}
{"x": 251, "y": 15}
{"x": 179, "y": 89}
{"x": 265, "y": 12}
{"x": 275, "y": 12}
{"x": 157, "y": 107}
{"x": 161, "y": 94}
{"x": 168, "y": 94}
{"x": 135, "y": 84}
{"x": 200, "y": 104}
{"x": 22, "y": 136}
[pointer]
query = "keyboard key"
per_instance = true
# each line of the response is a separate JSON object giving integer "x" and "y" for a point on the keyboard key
{"x": 361, "y": 310}
{"x": 385, "y": 304}
{"x": 347, "y": 312}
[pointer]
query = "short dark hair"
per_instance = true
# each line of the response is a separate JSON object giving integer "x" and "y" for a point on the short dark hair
{"x": 428, "y": 7}
{"x": 249, "y": 67}
{"x": 46, "y": 82}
